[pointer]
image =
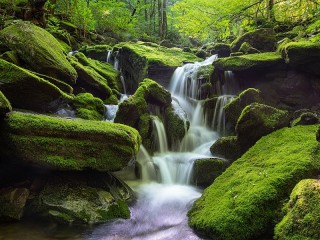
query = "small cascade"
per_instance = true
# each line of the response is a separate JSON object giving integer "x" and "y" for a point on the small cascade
{"x": 218, "y": 121}
{"x": 148, "y": 171}
{"x": 109, "y": 56}
{"x": 116, "y": 62}
{"x": 111, "y": 111}
{"x": 160, "y": 138}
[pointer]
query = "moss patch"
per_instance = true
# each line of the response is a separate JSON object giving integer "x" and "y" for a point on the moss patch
{"x": 251, "y": 61}
{"x": 89, "y": 107}
{"x": 5, "y": 105}
{"x": 301, "y": 220}
{"x": 68, "y": 144}
{"x": 227, "y": 147}
{"x": 39, "y": 49}
{"x": 97, "y": 52}
{"x": 243, "y": 202}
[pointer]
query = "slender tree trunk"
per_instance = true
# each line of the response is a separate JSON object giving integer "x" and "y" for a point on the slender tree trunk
{"x": 164, "y": 26}
{"x": 271, "y": 17}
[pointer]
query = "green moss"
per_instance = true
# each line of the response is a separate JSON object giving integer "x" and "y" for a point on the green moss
{"x": 111, "y": 100}
{"x": 234, "y": 108}
{"x": 97, "y": 52}
{"x": 39, "y": 49}
{"x": 242, "y": 203}
{"x": 89, "y": 107}
{"x": 11, "y": 56}
{"x": 296, "y": 53}
{"x": 306, "y": 118}
{"x": 301, "y": 220}
{"x": 68, "y": 144}
{"x": 5, "y": 105}
{"x": 246, "y": 62}
{"x": 318, "y": 135}
{"x": 25, "y": 90}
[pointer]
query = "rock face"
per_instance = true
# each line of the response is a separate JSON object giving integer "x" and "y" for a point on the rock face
{"x": 12, "y": 203}
{"x": 243, "y": 202}
{"x": 43, "y": 53}
{"x": 207, "y": 170}
{"x": 27, "y": 91}
{"x": 234, "y": 108}
{"x": 262, "y": 39}
{"x": 140, "y": 60}
{"x": 67, "y": 144}
{"x": 5, "y": 105}
{"x": 83, "y": 198}
{"x": 258, "y": 120}
{"x": 301, "y": 220}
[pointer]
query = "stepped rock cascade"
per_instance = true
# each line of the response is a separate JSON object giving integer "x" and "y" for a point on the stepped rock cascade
{"x": 164, "y": 191}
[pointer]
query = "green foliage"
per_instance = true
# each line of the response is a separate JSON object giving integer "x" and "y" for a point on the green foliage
{"x": 243, "y": 202}
{"x": 81, "y": 15}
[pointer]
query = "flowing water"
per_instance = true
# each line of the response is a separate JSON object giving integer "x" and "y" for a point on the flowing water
{"x": 164, "y": 191}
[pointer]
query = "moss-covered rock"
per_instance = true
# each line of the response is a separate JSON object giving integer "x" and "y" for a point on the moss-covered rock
{"x": 262, "y": 39}
{"x": 25, "y": 90}
{"x": 150, "y": 94}
{"x": 234, "y": 108}
{"x": 11, "y": 56}
{"x": 227, "y": 147}
{"x": 302, "y": 214}
{"x": 243, "y": 202}
{"x": 257, "y": 120}
{"x": 97, "y": 52}
{"x": 222, "y": 49}
{"x": 205, "y": 171}
{"x": 12, "y": 203}
{"x": 251, "y": 61}
{"x": 140, "y": 60}
{"x": 39, "y": 50}
{"x": 5, "y": 105}
{"x": 306, "y": 118}
{"x": 303, "y": 54}
{"x": 104, "y": 69}
{"x": 89, "y": 107}
{"x": 67, "y": 144}
{"x": 248, "y": 49}
{"x": 83, "y": 198}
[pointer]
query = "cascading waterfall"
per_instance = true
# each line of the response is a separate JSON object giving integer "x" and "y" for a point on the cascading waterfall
{"x": 165, "y": 194}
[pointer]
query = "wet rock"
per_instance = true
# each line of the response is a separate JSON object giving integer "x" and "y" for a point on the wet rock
{"x": 301, "y": 219}
{"x": 257, "y": 120}
{"x": 56, "y": 143}
{"x": 227, "y": 147}
{"x": 44, "y": 53}
{"x": 12, "y": 203}
{"x": 263, "y": 39}
{"x": 97, "y": 52}
{"x": 222, "y": 49}
{"x": 83, "y": 198}
{"x": 207, "y": 170}
{"x": 306, "y": 118}
{"x": 5, "y": 105}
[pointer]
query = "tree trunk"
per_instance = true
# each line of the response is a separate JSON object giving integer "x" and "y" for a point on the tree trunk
{"x": 36, "y": 12}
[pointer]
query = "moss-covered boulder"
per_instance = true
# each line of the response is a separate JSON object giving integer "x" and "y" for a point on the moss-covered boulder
{"x": 302, "y": 213}
{"x": 222, "y": 49}
{"x": 97, "y": 52}
{"x": 227, "y": 147}
{"x": 11, "y": 56}
{"x": 140, "y": 60}
{"x": 306, "y": 118}
{"x": 148, "y": 97}
{"x": 89, "y": 107}
{"x": 58, "y": 143}
{"x": 83, "y": 198}
{"x": 257, "y": 120}
{"x": 39, "y": 50}
{"x": 234, "y": 108}
{"x": 251, "y": 61}
{"x": 12, "y": 203}
{"x": 205, "y": 171}
{"x": 26, "y": 90}
{"x": 248, "y": 49}
{"x": 263, "y": 39}
{"x": 302, "y": 54}
{"x": 244, "y": 201}
{"x": 106, "y": 70}
{"x": 5, "y": 105}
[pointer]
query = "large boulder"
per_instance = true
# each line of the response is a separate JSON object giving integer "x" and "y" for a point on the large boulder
{"x": 39, "y": 50}
{"x": 12, "y": 203}
{"x": 249, "y": 62}
{"x": 222, "y": 49}
{"x": 26, "y": 90}
{"x": 243, "y": 203}
{"x": 5, "y": 105}
{"x": 234, "y": 108}
{"x": 227, "y": 147}
{"x": 301, "y": 219}
{"x": 140, "y": 60}
{"x": 82, "y": 198}
{"x": 303, "y": 55}
{"x": 257, "y": 120}
{"x": 89, "y": 107}
{"x": 64, "y": 144}
{"x": 263, "y": 39}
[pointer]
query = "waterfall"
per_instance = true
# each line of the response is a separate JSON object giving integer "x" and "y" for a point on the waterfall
{"x": 109, "y": 55}
{"x": 165, "y": 194}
